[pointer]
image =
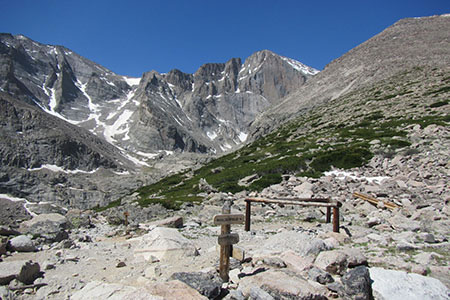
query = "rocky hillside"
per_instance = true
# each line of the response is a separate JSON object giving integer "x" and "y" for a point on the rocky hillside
{"x": 368, "y": 124}
{"x": 408, "y": 43}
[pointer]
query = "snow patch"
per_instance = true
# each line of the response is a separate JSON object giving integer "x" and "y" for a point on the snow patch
{"x": 148, "y": 155}
{"x": 342, "y": 175}
{"x": 243, "y": 136}
{"x": 211, "y": 135}
{"x": 120, "y": 126}
{"x": 55, "y": 168}
{"x": 131, "y": 81}
{"x": 300, "y": 67}
{"x": 15, "y": 199}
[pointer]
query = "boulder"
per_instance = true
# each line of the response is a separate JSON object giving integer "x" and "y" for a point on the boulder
{"x": 3, "y": 245}
{"x": 401, "y": 223}
{"x": 24, "y": 271}
{"x": 399, "y": 285}
{"x": 357, "y": 284}
{"x": 172, "y": 222}
{"x": 206, "y": 284}
{"x": 259, "y": 294}
{"x": 174, "y": 290}
{"x": 9, "y": 270}
{"x": 7, "y": 231}
{"x": 51, "y": 226}
{"x": 100, "y": 290}
{"x": 304, "y": 190}
{"x": 355, "y": 257}
{"x": 22, "y": 243}
{"x": 320, "y": 276}
{"x": 164, "y": 244}
{"x": 79, "y": 218}
{"x": 29, "y": 272}
{"x": 295, "y": 262}
{"x": 334, "y": 261}
{"x": 280, "y": 285}
{"x": 299, "y": 242}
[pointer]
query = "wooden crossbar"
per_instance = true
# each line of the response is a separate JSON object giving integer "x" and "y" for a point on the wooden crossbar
{"x": 317, "y": 202}
{"x": 375, "y": 201}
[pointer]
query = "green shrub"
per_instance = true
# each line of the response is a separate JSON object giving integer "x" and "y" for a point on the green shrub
{"x": 265, "y": 181}
{"x": 439, "y": 104}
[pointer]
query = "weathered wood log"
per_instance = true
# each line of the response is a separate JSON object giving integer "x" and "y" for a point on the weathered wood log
{"x": 375, "y": 201}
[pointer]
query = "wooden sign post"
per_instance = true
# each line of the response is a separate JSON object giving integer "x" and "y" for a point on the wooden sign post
{"x": 226, "y": 238}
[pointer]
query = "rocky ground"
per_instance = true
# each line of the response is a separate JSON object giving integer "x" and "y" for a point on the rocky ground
{"x": 290, "y": 252}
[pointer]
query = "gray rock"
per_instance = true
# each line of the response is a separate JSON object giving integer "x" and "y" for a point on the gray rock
{"x": 275, "y": 262}
{"x": 280, "y": 285}
{"x": 78, "y": 218}
{"x": 52, "y": 227}
{"x": 101, "y": 290}
{"x": 206, "y": 284}
{"x": 173, "y": 222}
{"x": 257, "y": 293}
{"x": 164, "y": 244}
{"x": 29, "y": 272}
{"x": 22, "y": 243}
{"x": 355, "y": 257}
{"x": 3, "y": 246}
{"x": 399, "y": 285}
{"x": 6, "y": 294}
{"x": 7, "y": 231}
{"x": 320, "y": 276}
{"x": 334, "y": 261}
{"x": 357, "y": 284}
{"x": 24, "y": 271}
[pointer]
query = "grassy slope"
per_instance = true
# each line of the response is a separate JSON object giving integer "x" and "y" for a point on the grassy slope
{"x": 336, "y": 134}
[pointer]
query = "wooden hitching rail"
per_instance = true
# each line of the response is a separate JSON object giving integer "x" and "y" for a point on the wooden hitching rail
{"x": 318, "y": 202}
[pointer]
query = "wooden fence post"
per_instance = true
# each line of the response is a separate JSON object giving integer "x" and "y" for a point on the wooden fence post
{"x": 335, "y": 219}
{"x": 225, "y": 250}
{"x": 328, "y": 220}
{"x": 248, "y": 205}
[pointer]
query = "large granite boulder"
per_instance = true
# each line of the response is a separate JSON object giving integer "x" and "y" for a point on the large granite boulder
{"x": 22, "y": 243}
{"x": 281, "y": 285}
{"x": 164, "y": 244}
{"x": 399, "y": 285}
{"x": 357, "y": 284}
{"x": 51, "y": 226}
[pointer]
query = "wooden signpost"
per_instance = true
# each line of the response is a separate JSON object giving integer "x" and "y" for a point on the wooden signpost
{"x": 226, "y": 238}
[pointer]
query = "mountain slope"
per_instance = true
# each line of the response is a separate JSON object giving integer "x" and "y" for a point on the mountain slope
{"x": 369, "y": 124}
{"x": 409, "y": 42}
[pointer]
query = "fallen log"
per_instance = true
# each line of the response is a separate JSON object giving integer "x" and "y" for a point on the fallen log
{"x": 375, "y": 201}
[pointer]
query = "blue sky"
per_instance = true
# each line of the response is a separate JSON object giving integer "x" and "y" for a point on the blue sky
{"x": 131, "y": 37}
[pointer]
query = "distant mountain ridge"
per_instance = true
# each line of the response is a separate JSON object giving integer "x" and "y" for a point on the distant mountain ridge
{"x": 209, "y": 111}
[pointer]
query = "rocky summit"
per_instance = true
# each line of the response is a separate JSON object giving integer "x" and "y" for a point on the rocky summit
{"x": 110, "y": 186}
